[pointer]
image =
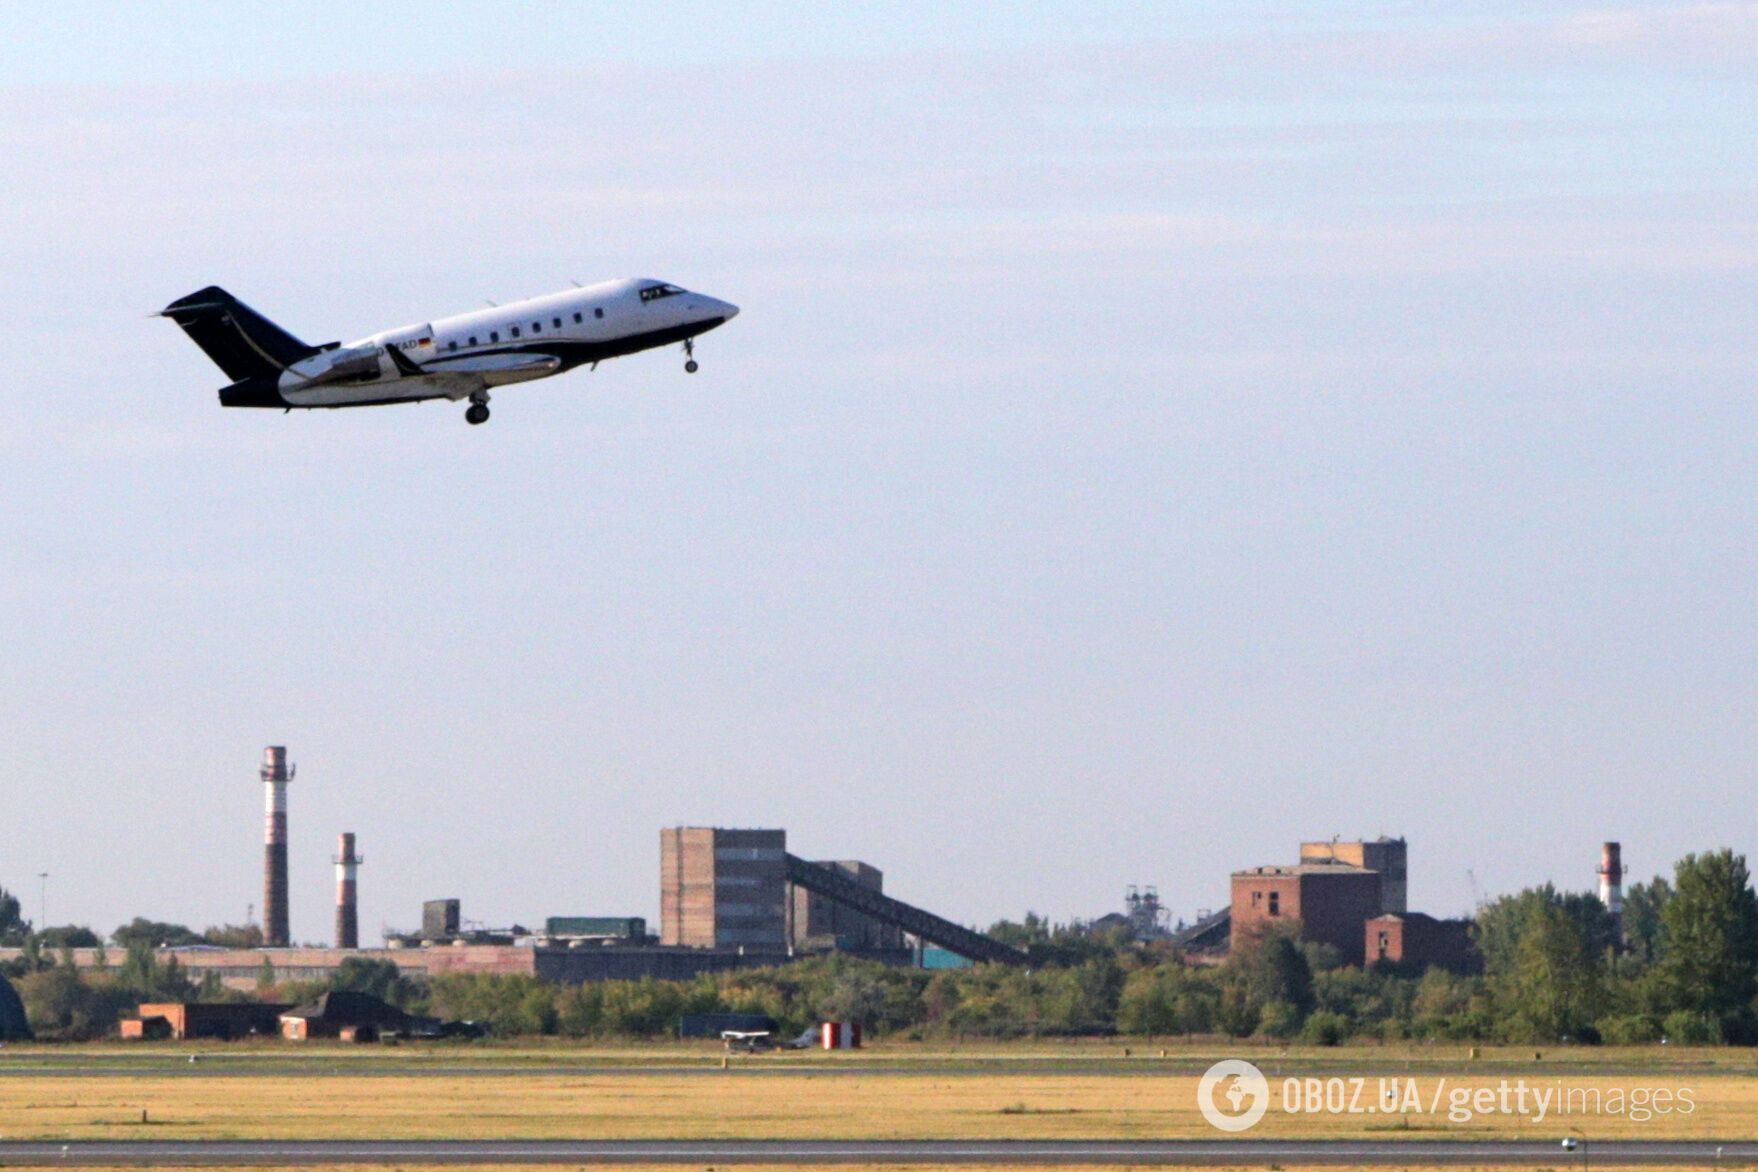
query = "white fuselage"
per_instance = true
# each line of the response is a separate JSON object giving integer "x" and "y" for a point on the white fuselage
{"x": 460, "y": 357}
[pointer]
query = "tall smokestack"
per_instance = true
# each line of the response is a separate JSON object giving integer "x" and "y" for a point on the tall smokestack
{"x": 347, "y": 906}
{"x": 275, "y": 776}
{"x": 1611, "y": 879}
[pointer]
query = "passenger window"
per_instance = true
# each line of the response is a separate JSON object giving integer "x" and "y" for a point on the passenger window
{"x": 473, "y": 339}
{"x": 557, "y": 323}
{"x": 537, "y": 327}
{"x": 576, "y": 319}
{"x": 494, "y": 335}
{"x": 515, "y": 330}
{"x": 598, "y": 313}
{"x": 451, "y": 345}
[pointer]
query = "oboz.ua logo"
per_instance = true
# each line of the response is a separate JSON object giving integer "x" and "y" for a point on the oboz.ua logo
{"x": 1243, "y": 1093}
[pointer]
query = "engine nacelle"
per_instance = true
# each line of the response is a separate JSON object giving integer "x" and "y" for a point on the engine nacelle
{"x": 361, "y": 362}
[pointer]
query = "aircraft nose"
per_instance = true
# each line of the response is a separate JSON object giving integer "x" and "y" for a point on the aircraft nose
{"x": 727, "y": 309}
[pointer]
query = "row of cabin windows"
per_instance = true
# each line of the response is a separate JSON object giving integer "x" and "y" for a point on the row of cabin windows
{"x": 536, "y": 328}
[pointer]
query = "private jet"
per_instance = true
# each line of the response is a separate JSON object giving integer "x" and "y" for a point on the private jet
{"x": 457, "y": 358}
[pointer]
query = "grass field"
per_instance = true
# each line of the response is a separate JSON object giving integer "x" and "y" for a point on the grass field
{"x": 1028, "y": 1091}
{"x": 868, "y": 1168}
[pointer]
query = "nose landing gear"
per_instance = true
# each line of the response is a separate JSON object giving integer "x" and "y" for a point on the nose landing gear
{"x": 690, "y": 364}
{"x": 477, "y": 412}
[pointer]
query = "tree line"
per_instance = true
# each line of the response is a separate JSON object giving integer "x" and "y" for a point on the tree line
{"x": 1554, "y": 969}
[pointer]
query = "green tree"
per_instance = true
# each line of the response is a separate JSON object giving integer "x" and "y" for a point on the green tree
{"x": 1598, "y": 931}
{"x": 13, "y": 926}
{"x": 1555, "y": 988}
{"x": 378, "y": 978}
{"x": 70, "y": 936}
{"x": 142, "y": 976}
{"x": 1710, "y": 962}
{"x": 234, "y": 935}
{"x": 1441, "y": 1007}
{"x": 153, "y": 934}
{"x": 61, "y": 1004}
{"x": 1273, "y": 968}
{"x": 1545, "y": 957}
{"x": 511, "y": 1004}
{"x": 1644, "y": 929}
{"x": 854, "y": 995}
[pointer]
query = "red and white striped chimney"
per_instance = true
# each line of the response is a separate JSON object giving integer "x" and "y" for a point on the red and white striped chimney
{"x": 347, "y": 894}
{"x": 275, "y": 776}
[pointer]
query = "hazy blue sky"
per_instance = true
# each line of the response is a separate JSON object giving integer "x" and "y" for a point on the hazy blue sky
{"x": 1155, "y": 434}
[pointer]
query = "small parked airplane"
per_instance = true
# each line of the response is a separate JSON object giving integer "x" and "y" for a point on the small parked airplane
{"x": 756, "y": 1041}
{"x": 452, "y": 358}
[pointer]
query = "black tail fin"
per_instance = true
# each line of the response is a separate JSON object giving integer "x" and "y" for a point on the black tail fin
{"x": 241, "y": 341}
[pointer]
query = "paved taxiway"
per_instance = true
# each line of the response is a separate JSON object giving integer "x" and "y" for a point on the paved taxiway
{"x": 812, "y": 1152}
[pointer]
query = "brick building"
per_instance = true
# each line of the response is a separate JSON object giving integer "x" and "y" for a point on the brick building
{"x": 723, "y": 888}
{"x": 1388, "y": 856}
{"x": 1422, "y": 942}
{"x": 1329, "y": 901}
{"x": 189, "y": 1019}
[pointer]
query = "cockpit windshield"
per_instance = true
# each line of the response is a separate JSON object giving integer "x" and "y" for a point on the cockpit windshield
{"x": 655, "y": 292}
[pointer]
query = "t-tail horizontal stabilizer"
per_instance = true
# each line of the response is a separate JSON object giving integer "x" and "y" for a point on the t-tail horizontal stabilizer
{"x": 241, "y": 341}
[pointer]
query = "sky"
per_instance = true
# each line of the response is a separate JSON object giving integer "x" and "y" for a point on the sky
{"x": 1154, "y": 435}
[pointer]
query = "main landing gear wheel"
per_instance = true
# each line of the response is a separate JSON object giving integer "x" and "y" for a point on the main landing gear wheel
{"x": 477, "y": 413}
{"x": 690, "y": 366}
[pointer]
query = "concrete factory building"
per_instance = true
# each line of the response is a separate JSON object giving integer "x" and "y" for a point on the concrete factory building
{"x": 741, "y": 892}
{"x": 723, "y": 888}
{"x": 818, "y": 923}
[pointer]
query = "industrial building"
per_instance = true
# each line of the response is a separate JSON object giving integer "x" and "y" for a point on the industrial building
{"x": 1330, "y": 902}
{"x": 737, "y": 890}
{"x": 624, "y": 929}
{"x": 819, "y": 923}
{"x": 723, "y": 888}
{"x": 1331, "y": 893}
{"x": 242, "y": 969}
{"x": 350, "y": 1017}
{"x": 1386, "y": 857}
{"x": 184, "y": 1019}
{"x": 1421, "y": 942}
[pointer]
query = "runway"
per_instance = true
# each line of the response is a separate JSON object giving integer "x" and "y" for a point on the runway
{"x": 1188, "y": 1153}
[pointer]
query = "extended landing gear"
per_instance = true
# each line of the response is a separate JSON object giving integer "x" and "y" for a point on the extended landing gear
{"x": 690, "y": 365}
{"x": 477, "y": 412}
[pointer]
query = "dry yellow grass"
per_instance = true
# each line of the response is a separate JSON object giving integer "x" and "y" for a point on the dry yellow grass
{"x": 755, "y": 1100}
{"x": 1562, "y": 1165}
{"x": 839, "y": 1167}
